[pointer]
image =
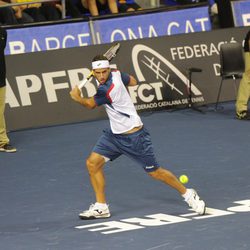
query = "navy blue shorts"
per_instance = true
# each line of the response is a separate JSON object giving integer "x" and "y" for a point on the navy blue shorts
{"x": 137, "y": 146}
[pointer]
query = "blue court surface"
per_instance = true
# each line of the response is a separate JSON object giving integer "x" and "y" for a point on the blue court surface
{"x": 45, "y": 185}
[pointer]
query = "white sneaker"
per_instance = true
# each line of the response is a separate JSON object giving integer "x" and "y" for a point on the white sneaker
{"x": 194, "y": 201}
{"x": 95, "y": 212}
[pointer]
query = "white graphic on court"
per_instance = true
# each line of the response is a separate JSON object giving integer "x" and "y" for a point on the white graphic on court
{"x": 161, "y": 219}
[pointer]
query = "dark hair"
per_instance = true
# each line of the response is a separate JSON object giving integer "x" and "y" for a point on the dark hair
{"x": 99, "y": 57}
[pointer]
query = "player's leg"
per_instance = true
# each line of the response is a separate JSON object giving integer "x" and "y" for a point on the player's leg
{"x": 99, "y": 209}
{"x": 168, "y": 178}
{"x": 141, "y": 150}
{"x": 95, "y": 163}
{"x": 189, "y": 195}
{"x": 103, "y": 151}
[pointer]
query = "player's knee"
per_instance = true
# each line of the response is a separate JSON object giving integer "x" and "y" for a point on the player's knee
{"x": 91, "y": 166}
{"x": 155, "y": 173}
{"x": 94, "y": 164}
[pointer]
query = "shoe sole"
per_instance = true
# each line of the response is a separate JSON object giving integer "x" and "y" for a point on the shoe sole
{"x": 7, "y": 151}
{"x": 205, "y": 208}
{"x": 103, "y": 216}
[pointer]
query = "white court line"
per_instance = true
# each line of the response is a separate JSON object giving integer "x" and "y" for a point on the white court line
{"x": 158, "y": 246}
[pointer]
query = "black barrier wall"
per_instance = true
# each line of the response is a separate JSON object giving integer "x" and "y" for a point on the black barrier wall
{"x": 38, "y": 84}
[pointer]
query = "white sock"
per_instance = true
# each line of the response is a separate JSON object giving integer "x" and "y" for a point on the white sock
{"x": 187, "y": 194}
{"x": 101, "y": 205}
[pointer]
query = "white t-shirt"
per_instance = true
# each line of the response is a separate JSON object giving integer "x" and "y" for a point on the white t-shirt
{"x": 118, "y": 104}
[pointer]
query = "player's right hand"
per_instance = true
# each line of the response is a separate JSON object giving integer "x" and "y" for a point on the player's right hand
{"x": 75, "y": 94}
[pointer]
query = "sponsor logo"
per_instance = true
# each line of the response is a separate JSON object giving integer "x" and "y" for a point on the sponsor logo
{"x": 98, "y": 211}
{"x": 162, "y": 219}
{"x": 170, "y": 86}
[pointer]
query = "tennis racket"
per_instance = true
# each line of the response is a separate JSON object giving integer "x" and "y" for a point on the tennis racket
{"x": 109, "y": 54}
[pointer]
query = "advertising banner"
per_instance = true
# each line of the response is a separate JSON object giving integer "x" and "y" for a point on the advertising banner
{"x": 152, "y": 25}
{"x": 49, "y": 37}
{"x": 38, "y": 84}
{"x": 241, "y": 13}
{"x": 68, "y": 35}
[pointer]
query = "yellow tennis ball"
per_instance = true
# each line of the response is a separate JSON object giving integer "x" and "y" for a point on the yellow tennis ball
{"x": 183, "y": 179}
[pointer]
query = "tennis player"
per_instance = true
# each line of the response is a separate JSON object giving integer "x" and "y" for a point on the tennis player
{"x": 127, "y": 135}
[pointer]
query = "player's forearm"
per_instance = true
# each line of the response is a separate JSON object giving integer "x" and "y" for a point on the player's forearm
{"x": 87, "y": 102}
{"x": 75, "y": 94}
